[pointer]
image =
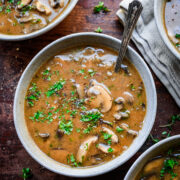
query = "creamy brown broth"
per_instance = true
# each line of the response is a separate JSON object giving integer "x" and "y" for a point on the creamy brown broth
{"x": 18, "y": 18}
{"x": 165, "y": 166}
{"x": 172, "y": 21}
{"x": 83, "y": 123}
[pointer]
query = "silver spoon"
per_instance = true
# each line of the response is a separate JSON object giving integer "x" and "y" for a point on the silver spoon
{"x": 134, "y": 10}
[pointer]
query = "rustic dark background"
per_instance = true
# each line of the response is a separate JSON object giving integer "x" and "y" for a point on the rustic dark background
{"x": 14, "y": 57}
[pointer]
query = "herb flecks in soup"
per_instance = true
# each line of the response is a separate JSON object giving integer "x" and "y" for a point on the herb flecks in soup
{"x": 165, "y": 166}
{"x": 26, "y": 16}
{"x": 172, "y": 21}
{"x": 80, "y": 112}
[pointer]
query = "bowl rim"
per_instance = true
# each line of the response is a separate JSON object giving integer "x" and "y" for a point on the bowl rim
{"x": 47, "y": 28}
{"x": 116, "y": 163}
{"x": 158, "y": 14}
{"x": 148, "y": 151}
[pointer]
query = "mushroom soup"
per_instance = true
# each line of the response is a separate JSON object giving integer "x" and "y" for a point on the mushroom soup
{"x": 172, "y": 21}
{"x": 80, "y": 112}
{"x": 26, "y": 16}
{"x": 164, "y": 166}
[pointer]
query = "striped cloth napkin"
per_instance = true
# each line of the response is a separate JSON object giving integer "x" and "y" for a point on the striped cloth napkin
{"x": 148, "y": 40}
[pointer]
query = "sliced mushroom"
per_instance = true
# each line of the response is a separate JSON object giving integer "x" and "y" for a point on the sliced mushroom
{"x": 80, "y": 90}
{"x": 128, "y": 97}
{"x": 114, "y": 137}
{"x": 44, "y": 135}
{"x": 27, "y": 19}
{"x": 125, "y": 114}
{"x": 103, "y": 147}
{"x": 24, "y": 3}
{"x": 101, "y": 97}
{"x": 153, "y": 166}
{"x": 118, "y": 107}
{"x": 106, "y": 122}
{"x": 117, "y": 116}
{"x": 129, "y": 131}
{"x": 61, "y": 3}
{"x": 81, "y": 154}
{"x": 54, "y": 3}
{"x": 93, "y": 82}
{"x": 132, "y": 132}
{"x": 120, "y": 100}
{"x": 41, "y": 7}
{"x": 60, "y": 133}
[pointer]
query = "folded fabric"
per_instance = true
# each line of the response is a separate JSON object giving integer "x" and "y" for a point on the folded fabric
{"x": 148, "y": 40}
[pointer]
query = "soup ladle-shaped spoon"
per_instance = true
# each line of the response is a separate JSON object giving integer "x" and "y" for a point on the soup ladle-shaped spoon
{"x": 134, "y": 10}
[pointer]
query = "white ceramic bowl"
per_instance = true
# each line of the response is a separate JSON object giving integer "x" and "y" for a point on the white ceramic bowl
{"x": 153, "y": 151}
{"x": 47, "y": 28}
{"x": 48, "y": 52}
{"x": 158, "y": 13}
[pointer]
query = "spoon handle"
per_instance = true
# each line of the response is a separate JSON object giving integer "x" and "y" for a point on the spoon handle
{"x": 134, "y": 10}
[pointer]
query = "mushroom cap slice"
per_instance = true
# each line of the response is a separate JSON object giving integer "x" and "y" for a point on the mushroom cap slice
{"x": 54, "y": 3}
{"x": 61, "y": 3}
{"x": 114, "y": 137}
{"x": 103, "y": 147}
{"x": 83, "y": 149}
{"x": 101, "y": 98}
{"x": 129, "y": 98}
{"x": 129, "y": 131}
{"x": 24, "y": 3}
{"x": 42, "y": 7}
{"x": 80, "y": 90}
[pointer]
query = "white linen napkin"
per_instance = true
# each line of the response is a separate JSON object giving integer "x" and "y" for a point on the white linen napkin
{"x": 148, "y": 40}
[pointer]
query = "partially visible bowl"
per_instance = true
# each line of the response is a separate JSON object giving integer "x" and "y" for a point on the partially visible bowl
{"x": 48, "y": 52}
{"x": 153, "y": 151}
{"x": 47, "y": 28}
{"x": 159, "y": 13}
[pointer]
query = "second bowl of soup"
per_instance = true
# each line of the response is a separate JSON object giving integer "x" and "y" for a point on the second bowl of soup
{"x": 25, "y": 19}
{"x": 167, "y": 16}
{"x": 79, "y": 117}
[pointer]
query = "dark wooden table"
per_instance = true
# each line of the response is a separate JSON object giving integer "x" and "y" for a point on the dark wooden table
{"x": 14, "y": 57}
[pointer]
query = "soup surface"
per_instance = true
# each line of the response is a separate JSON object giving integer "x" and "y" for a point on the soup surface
{"x": 79, "y": 112}
{"x": 165, "y": 166}
{"x": 172, "y": 21}
{"x": 26, "y": 16}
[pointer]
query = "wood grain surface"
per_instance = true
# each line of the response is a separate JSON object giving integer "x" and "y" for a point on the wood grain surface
{"x": 15, "y": 56}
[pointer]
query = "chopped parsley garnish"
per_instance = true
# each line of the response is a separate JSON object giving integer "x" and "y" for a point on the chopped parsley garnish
{"x": 66, "y": 126}
{"x": 132, "y": 87}
{"x": 110, "y": 150}
{"x": 26, "y": 173}
{"x": 71, "y": 160}
{"x": 88, "y": 129}
{"x": 177, "y": 44}
{"x": 90, "y": 116}
{"x": 106, "y": 136}
{"x": 172, "y": 121}
{"x": 38, "y": 116}
{"x": 100, "y": 7}
{"x": 46, "y": 75}
{"x": 118, "y": 129}
{"x": 155, "y": 140}
{"x": 33, "y": 94}
{"x": 54, "y": 89}
{"x": 91, "y": 72}
{"x": 81, "y": 71}
{"x": 98, "y": 30}
{"x": 177, "y": 36}
{"x": 168, "y": 168}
